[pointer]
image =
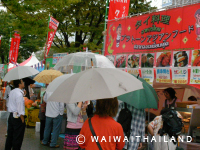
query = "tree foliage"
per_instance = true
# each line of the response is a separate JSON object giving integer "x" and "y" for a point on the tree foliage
{"x": 81, "y": 19}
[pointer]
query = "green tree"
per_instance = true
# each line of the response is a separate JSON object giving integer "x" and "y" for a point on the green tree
{"x": 82, "y": 19}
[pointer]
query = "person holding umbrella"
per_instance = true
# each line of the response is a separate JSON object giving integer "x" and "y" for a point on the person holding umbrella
{"x": 16, "y": 123}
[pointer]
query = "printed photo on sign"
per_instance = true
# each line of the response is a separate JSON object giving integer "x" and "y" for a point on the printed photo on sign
{"x": 147, "y": 60}
{"x": 120, "y": 61}
{"x": 111, "y": 58}
{"x": 163, "y": 59}
{"x": 133, "y": 71}
{"x": 195, "y": 58}
{"x": 133, "y": 61}
{"x": 180, "y": 59}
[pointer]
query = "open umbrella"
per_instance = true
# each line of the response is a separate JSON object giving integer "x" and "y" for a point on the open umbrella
{"x": 55, "y": 83}
{"x": 95, "y": 83}
{"x": 143, "y": 98}
{"x": 83, "y": 59}
{"x": 47, "y": 76}
{"x": 20, "y": 72}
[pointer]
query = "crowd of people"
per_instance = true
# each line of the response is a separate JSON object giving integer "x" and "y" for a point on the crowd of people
{"x": 95, "y": 117}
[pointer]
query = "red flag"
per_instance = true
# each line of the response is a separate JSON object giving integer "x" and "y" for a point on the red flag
{"x": 53, "y": 25}
{"x": 14, "y": 48}
{"x": 118, "y": 9}
{"x": 0, "y": 40}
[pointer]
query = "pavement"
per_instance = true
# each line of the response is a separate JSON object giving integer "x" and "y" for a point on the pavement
{"x": 31, "y": 139}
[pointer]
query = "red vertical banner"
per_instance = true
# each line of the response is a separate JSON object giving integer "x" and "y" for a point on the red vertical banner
{"x": 0, "y": 40}
{"x": 14, "y": 48}
{"x": 118, "y": 9}
{"x": 53, "y": 25}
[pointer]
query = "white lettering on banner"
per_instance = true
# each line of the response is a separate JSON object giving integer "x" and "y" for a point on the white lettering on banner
{"x": 117, "y": 12}
{"x": 137, "y": 138}
{"x": 95, "y": 138}
{"x": 153, "y": 139}
{"x": 143, "y": 138}
{"x": 125, "y": 139}
{"x": 116, "y": 138}
{"x": 103, "y": 139}
{"x": 173, "y": 139}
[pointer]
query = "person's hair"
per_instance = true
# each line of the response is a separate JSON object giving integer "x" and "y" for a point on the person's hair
{"x": 164, "y": 110}
{"x": 16, "y": 83}
{"x": 192, "y": 98}
{"x": 107, "y": 107}
{"x": 197, "y": 12}
{"x": 171, "y": 92}
{"x": 119, "y": 26}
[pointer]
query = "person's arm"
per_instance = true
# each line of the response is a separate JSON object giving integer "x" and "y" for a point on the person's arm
{"x": 74, "y": 109}
{"x": 150, "y": 129}
{"x": 120, "y": 144}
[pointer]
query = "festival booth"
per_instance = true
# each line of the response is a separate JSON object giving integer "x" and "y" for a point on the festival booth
{"x": 32, "y": 99}
{"x": 163, "y": 48}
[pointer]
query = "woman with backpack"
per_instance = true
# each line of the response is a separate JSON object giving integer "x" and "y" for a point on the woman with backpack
{"x": 158, "y": 129}
{"x": 171, "y": 98}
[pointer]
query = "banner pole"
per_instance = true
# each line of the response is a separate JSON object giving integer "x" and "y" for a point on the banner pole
{"x": 9, "y": 52}
{"x": 46, "y": 40}
{"x": 106, "y": 15}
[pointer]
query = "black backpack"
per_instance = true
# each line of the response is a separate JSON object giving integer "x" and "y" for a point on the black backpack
{"x": 172, "y": 124}
{"x": 125, "y": 117}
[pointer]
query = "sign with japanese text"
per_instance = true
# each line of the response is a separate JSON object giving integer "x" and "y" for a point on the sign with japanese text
{"x": 133, "y": 71}
{"x": 118, "y": 9}
{"x": 170, "y": 30}
{"x": 195, "y": 75}
{"x": 163, "y": 75}
{"x": 14, "y": 48}
{"x": 57, "y": 57}
{"x": 53, "y": 25}
{"x": 148, "y": 75}
{"x": 180, "y": 75}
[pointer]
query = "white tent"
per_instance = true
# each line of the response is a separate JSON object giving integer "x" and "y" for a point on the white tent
{"x": 31, "y": 61}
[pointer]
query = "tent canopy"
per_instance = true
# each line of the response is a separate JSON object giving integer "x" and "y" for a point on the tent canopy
{"x": 31, "y": 61}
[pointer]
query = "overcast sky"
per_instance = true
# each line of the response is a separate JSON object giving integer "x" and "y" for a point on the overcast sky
{"x": 156, "y": 3}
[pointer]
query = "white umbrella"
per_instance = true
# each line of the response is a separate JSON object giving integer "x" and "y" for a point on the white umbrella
{"x": 56, "y": 82}
{"x": 84, "y": 59}
{"x": 20, "y": 72}
{"x": 95, "y": 83}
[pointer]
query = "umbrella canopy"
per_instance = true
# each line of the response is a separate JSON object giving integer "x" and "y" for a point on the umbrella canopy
{"x": 47, "y": 76}
{"x": 20, "y": 72}
{"x": 85, "y": 59}
{"x": 143, "y": 98}
{"x": 55, "y": 83}
{"x": 95, "y": 83}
